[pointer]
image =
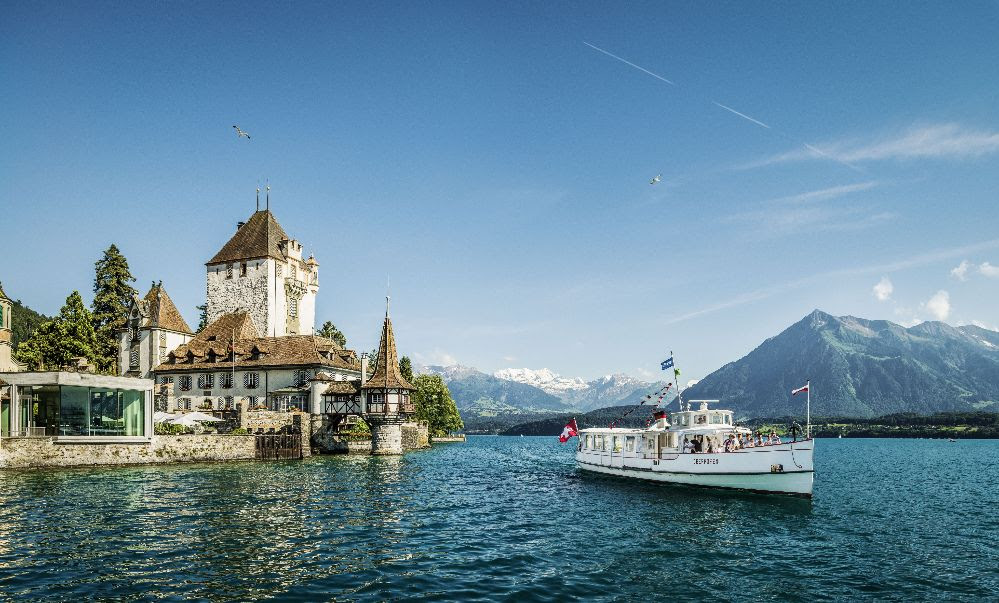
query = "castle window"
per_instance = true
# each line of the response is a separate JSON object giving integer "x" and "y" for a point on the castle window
{"x": 242, "y": 269}
{"x": 302, "y": 377}
{"x": 293, "y": 308}
{"x": 251, "y": 380}
{"x": 279, "y": 270}
{"x": 225, "y": 380}
{"x": 206, "y": 381}
{"x": 228, "y": 270}
{"x": 185, "y": 383}
{"x": 294, "y": 272}
{"x": 133, "y": 358}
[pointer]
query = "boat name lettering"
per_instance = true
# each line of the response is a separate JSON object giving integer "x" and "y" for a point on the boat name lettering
{"x": 705, "y": 461}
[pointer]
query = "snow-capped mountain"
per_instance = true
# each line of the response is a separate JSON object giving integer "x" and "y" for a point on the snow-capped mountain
{"x": 544, "y": 379}
{"x": 608, "y": 390}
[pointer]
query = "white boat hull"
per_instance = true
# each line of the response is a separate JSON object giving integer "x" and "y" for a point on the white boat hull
{"x": 780, "y": 469}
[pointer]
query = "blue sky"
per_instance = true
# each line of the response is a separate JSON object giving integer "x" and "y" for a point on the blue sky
{"x": 497, "y": 167}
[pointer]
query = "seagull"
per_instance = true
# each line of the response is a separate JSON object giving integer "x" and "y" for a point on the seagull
{"x": 241, "y": 133}
{"x": 654, "y": 181}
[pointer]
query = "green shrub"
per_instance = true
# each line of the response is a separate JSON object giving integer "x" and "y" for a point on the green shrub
{"x": 239, "y": 431}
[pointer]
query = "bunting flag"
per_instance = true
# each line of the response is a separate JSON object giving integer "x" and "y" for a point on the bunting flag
{"x": 676, "y": 372}
{"x": 568, "y": 431}
{"x": 667, "y": 363}
{"x": 803, "y": 388}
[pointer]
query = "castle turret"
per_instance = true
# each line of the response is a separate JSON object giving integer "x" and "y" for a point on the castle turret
{"x": 387, "y": 396}
{"x": 7, "y": 362}
{"x": 154, "y": 327}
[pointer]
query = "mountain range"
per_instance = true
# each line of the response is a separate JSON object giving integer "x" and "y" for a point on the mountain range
{"x": 857, "y": 368}
{"x": 861, "y": 368}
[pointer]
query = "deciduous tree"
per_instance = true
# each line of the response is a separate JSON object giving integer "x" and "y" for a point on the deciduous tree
{"x": 329, "y": 331}
{"x": 56, "y": 342}
{"x": 434, "y": 405}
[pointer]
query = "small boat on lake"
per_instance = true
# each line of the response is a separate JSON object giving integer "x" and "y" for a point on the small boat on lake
{"x": 664, "y": 452}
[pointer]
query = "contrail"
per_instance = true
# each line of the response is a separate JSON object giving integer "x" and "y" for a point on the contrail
{"x": 742, "y": 115}
{"x": 657, "y": 76}
{"x": 731, "y": 110}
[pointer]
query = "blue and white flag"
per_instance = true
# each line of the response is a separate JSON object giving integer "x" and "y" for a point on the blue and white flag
{"x": 667, "y": 363}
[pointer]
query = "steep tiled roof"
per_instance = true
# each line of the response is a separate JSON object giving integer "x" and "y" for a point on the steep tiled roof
{"x": 387, "y": 374}
{"x": 258, "y": 238}
{"x": 344, "y": 387}
{"x": 162, "y": 311}
{"x": 252, "y": 351}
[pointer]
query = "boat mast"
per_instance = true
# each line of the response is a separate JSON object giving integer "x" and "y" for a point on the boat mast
{"x": 676, "y": 381}
{"x": 808, "y": 408}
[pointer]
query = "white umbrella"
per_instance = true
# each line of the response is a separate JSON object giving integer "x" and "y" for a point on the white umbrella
{"x": 191, "y": 418}
{"x": 162, "y": 417}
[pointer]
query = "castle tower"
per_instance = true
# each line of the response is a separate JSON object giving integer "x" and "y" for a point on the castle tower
{"x": 154, "y": 327}
{"x": 387, "y": 404}
{"x": 7, "y": 362}
{"x": 261, "y": 271}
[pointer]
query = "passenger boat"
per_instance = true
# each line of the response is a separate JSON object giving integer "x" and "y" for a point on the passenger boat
{"x": 656, "y": 453}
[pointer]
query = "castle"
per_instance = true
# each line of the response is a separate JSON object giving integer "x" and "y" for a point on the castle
{"x": 259, "y": 349}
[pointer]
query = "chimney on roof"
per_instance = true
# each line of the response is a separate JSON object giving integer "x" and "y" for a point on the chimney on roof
{"x": 240, "y": 225}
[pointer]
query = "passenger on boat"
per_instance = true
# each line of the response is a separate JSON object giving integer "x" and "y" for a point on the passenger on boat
{"x": 759, "y": 439}
{"x": 729, "y": 444}
{"x": 698, "y": 443}
{"x": 688, "y": 446}
{"x": 774, "y": 438}
{"x": 749, "y": 442}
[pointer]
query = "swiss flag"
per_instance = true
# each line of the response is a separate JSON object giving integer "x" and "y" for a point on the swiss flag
{"x": 568, "y": 431}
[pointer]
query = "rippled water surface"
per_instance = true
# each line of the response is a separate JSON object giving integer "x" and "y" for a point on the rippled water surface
{"x": 504, "y": 519}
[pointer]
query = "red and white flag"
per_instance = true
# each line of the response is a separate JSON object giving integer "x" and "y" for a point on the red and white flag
{"x": 568, "y": 431}
{"x": 795, "y": 392}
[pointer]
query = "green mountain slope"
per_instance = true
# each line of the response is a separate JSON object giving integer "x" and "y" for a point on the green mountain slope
{"x": 23, "y": 322}
{"x": 861, "y": 368}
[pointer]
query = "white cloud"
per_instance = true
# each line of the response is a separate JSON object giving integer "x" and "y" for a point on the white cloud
{"x": 939, "y": 305}
{"x": 828, "y": 193}
{"x": 509, "y": 358}
{"x": 961, "y": 271}
{"x": 928, "y": 141}
{"x": 989, "y": 270}
{"x": 435, "y": 357}
{"x": 923, "y": 259}
{"x": 883, "y": 289}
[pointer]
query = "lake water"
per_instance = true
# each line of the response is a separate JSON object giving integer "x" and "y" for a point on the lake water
{"x": 505, "y": 519}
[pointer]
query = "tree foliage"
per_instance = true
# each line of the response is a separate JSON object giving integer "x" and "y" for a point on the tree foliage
{"x": 112, "y": 296}
{"x": 406, "y": 368}
{"x": 373, "y": 360}
{"x": 23, "y": 322}
{"x": 329, "y": 331}
{"x": 202, "y": 317}
{"x": 434, "y": 405}
{"x": 69, "y": 335}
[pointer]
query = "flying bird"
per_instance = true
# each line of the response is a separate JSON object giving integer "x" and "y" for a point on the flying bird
{"x": 656, "y": 180}
{"x": 241, "y": 133}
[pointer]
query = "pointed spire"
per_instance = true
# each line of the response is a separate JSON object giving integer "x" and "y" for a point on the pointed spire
{"x": 387, "y": 373}
{"x": 258, "y": 197}
{"x": 268, "y": 196}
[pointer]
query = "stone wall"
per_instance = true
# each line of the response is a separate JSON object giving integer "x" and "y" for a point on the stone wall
{"x": 45, "y": 452}
{"x": 252, "y": 420}
{"x": 415, "y": 436}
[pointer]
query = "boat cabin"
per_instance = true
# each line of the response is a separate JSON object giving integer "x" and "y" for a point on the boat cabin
{"x": 702, "y": 417}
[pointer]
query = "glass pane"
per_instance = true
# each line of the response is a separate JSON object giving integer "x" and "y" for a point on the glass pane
{"x": 105, "y": 413}
{"x": 133, "y": 412}
{"x": 74, "y": 414}
{"x": 4, "y": 419}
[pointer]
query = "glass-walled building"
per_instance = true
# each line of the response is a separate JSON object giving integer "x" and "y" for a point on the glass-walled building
{"x": 75, "y": 406}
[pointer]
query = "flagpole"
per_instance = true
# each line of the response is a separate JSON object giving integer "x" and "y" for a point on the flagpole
{"x": 676, "y": 381}
{"x": 808, "y": 409}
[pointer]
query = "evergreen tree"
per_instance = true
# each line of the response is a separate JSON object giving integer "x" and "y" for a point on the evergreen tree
{"x": 330, "y": 331}
{"x": 23, "y": 322}
{"x": 373, "y": 360}
{"x": 202, "y": 317}
{"x": 406, "y": 368}
{"x": 435, "y": 405}
{"x": 112, "y": 297}
{"x": 69, "y": 335}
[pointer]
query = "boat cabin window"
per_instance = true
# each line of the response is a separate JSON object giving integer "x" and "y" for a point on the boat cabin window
{"x": 650, "y": 444}
{"x": 629, "y": 444}
{"x": 701, "y": 419}
{"x": 728, "y": 419}
{"x": 617, "y": 443}
{"x": 600, "y": 442}
{"x": 716, "y": 419}
{"x": 680, "y": 419}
